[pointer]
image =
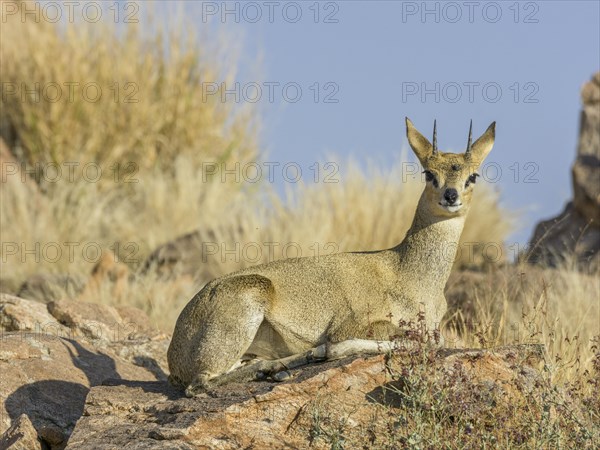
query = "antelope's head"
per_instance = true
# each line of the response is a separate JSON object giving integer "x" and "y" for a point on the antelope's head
{"x": 450, "y": 177}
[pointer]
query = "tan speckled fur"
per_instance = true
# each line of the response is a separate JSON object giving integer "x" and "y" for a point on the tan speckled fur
{"x": 290, "y": 306}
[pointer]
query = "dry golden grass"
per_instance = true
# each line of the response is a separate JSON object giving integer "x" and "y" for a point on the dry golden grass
{"x": 148, "y": 146}
{"x": 557, "y": 307}
{"x": 368, "y": 209}
{"x": 364, "y": 211}
{"x": 151, "y": 109}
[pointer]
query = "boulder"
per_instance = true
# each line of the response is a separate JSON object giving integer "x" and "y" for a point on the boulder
{"x": 152, "y": 415}
{"x": 576, "y": 231}
{"x": 569, "y": 235}
{"x": 47, "y": 378}
{"x": 182, "y": 256}
{"x": 51, "y": 354}
{"x": 92, "y": 320}
{"x": 586, "y": 169}
{"x": 18, "y": 314}
{"x": 187, "y": 255}
{"x": 77, "y": 319}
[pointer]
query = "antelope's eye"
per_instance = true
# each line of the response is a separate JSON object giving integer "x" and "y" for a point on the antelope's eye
{"x": 430, "y": 177}
{"x": 472, "y": 179}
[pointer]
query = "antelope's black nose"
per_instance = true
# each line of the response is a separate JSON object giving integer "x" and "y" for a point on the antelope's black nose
{"x": 450, "y": 196}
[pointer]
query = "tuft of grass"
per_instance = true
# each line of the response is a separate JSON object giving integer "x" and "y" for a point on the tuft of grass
{"x": 122, "y": 98}
{"x": 122, "y": 172}
{"x": 449, "y": 406}
{"x": 476, "y": 400}
{"x": 557, "y": 307}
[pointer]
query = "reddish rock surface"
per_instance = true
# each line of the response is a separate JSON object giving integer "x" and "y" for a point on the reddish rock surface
{"x": 50, "y": 356}
{"x": 266, "y": 415}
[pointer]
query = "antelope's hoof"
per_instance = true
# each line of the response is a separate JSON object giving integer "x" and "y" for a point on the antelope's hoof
{"x": 282, "y": 376}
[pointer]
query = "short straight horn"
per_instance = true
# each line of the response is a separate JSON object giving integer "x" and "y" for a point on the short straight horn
{"x": 435, "y": 149}
{"x": 470, "y": 137}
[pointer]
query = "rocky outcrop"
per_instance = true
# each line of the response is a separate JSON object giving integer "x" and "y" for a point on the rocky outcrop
{"x": 586, "y": 170}
{"x": 52, "y": 354}
{"x": 187, "y": 256}
{"x": 85, "y": 376}
{"x": 265, "y": 415}
{"x": 181, "y": 256}
{"x": 576, "y": 231}
{"x": 184, "y": 256}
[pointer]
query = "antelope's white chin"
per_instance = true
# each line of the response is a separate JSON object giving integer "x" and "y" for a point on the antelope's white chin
{"x": 451, "y": 208}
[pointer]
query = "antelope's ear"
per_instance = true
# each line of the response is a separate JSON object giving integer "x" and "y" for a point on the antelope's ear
{"x": 419, "y": 143}
{"x": 482, "y": 146}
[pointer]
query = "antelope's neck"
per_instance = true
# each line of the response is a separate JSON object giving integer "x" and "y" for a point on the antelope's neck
{"x": 430, "y": 246}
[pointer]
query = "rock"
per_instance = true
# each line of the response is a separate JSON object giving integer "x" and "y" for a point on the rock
{"x": 576, "y": 231}
{"x": 569, "y": 234}
{"x": 137, "y": 320}
{"x": 50, "y": 355}
{"x": 267, "y": 415}
{"x": 150, "y": 353}
{"x": 180, "y": 257}
{"x": 21, "y": 436}
{"x": 17, "y": 314}
{"x": 48, "y": 377}
{"x": 92, "y": 320}
{"x": 586, "y": 169}
{"x": 125, "y": 331}
{"x": 187, "y": 255}
{"x": 76, "y": 319}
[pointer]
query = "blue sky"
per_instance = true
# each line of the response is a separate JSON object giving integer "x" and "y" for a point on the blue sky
{"x": 519, "y": 63}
